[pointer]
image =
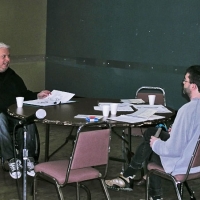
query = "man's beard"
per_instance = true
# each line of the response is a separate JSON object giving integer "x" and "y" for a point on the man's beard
{"x": 186, "y": 91}
{"x": 4, "y": 68}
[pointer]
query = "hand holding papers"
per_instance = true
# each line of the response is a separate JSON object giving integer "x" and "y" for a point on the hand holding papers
{"x": 54, "y": 98}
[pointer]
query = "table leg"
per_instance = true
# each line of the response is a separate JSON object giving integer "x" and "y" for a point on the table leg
{"x": 69, "y": 137}
{"x": 126, "y": 147}
{"x": 129, "y": 138}
{"x": 46, "y": 158}
{"x": 47, "y": 155}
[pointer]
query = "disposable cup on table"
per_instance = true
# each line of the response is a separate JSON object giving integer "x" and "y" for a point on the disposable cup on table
{"x": 19, "y": 101}
{"x": 113, "y": 108}
{"x": 151, "y": 99}
{"x": 105, "y": 110}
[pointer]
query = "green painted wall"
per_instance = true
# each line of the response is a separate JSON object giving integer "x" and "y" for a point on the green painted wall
{"x": 23, "y": 27}
{"x": 110, "y": 48}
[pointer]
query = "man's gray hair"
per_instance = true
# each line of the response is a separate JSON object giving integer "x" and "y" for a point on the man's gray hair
{"x": 2, "y": 45}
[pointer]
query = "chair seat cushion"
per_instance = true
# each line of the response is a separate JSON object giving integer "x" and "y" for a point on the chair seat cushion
{"x": 178, "y": 177}
{"x": 77, "y": 175}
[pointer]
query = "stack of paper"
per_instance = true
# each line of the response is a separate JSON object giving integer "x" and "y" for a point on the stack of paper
{"x": 141, "y": 115}
{"x": 121, "y": 106}
{"x": 158, "y": 108}
{"x": 134, "y": 101}
{"x": 54, "y": 98}
{"x": 129, "y": 119}
{"x": 144, "y": 113}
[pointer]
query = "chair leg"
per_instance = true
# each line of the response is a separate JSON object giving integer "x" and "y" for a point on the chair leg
{"x": 87, "y": 191}
{"x": 105, "y": 189}
{"x": 190, "y": 191}
{"x": 31, "y": 192}
{"x": 179, "y": 190}
{"x": 34, "y": 187}
{"x": 77, "y": 191}
{"x": 147, "y": 185}
{"x": 123, "y": 151}
{"x": 60, "y": 194}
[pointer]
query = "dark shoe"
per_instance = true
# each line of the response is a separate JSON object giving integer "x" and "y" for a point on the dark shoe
{"x": 156, "y": 198}
{"x": 120, "y": 183}
{"x": 141, "y": 182}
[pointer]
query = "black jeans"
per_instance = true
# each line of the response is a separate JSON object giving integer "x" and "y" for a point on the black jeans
{"x": 155, "y": 181}
{"x": 7, "y": 123}
{"x": 143, "y": 153}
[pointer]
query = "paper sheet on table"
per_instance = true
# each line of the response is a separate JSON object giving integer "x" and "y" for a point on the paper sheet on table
{"x": 82, "y": 116}
{"x": 54, "y": 98}
{"x": 158, "y": 108}
{"x": 143, "y": 112}
{"x": 128, "y": 119}
{"x": 136, "y": 101}
{"x": 121, "y": 107}
{"x": 119, "y": 104}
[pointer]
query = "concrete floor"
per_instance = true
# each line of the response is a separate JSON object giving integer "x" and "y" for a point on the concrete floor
{"x": 46, "y": 191}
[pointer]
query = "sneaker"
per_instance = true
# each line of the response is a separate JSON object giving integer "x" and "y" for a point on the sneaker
{"x": 120, "y": 183}
{"x": 15, "y": 168}
{"x": 30, "y": 166}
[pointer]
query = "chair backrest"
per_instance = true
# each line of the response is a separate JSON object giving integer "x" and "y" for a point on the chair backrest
{"x": 144, "y": 91}
{"x": 91, "y": 147}
{"x": 195, "y": 158}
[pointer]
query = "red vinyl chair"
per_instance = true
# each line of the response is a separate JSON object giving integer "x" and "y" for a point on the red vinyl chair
{"x": 144, "y": 91}
{"x": 90, "y": 150}
{"x": 141, "y": 93}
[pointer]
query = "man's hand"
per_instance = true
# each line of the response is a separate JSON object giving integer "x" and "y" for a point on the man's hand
{"x": 152, "y": 140}
{"x": 170, "y": 128}
{"x": 43, "y": 94}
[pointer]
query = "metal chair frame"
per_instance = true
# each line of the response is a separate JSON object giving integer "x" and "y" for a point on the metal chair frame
{"x": 73, "y": 167}
{"x": 152, "y": 90}
{"x": 125, "y": 146}
{"x": 178, "y": 180}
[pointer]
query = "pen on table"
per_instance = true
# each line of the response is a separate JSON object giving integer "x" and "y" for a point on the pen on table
{"x": 92, "y": 119}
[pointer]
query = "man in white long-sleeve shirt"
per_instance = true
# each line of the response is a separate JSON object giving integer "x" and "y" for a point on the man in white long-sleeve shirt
{"x": 172, "y": 151}
{"x": 175, "y": 153}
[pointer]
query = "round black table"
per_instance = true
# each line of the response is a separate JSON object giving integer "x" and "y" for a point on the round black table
{"x": 63, "y": 114}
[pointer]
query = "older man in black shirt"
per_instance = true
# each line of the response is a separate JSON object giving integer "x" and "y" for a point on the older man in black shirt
{"x": 12, "y": 86}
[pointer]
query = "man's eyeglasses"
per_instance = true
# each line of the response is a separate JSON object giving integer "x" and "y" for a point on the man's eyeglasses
{"x": 186, "y": 81}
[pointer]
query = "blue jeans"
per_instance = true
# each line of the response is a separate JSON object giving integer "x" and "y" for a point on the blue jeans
{"x": 144, "y": 153}
{"x": 7, "y": 124}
